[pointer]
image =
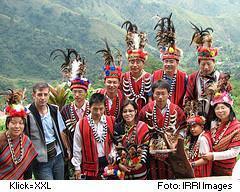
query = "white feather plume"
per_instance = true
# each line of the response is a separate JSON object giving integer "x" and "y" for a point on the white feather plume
{"x": 136, "y": 40}
{"x": 75, "y": 69}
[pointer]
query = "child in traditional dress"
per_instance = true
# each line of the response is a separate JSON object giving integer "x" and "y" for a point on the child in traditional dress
{"x": 199, "y": 143}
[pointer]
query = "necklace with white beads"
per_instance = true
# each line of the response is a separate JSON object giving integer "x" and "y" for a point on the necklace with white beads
{"x": 155, "y": 117}
{"x": 16, "y": 160}
{"x": 99, "y": 139}
{"x": 214, "y": 130}
{"x": 117, "y": 110}
{"x": 173, "y": 84}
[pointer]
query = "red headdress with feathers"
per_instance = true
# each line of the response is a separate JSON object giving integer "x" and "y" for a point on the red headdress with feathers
{"x": 203, "y": 40}
{"x": 112, "y": 65}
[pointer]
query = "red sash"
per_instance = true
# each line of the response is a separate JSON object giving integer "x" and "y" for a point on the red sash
{"x": 141, "y": 137}
{"x": 148, "y": 109}
{"x": 191, "y": 93}
{"x": 160, "y": 169}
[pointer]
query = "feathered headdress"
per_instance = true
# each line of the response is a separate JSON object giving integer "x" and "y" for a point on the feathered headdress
{"x": 66, "y": 66}
{"x": 166, "y": 38}
{"x": 203, "y": 40}
{"x": 112, "y": 67}
{"x": 135, "y": 41}
{"x": 14, "y": 96}
{"x": 14, "y": 101}
{"x": 74, "y": 69}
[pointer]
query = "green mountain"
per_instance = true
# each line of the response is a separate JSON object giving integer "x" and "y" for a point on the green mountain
{"x": 30, "y": 30}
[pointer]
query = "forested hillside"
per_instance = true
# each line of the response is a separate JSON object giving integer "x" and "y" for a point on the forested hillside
{"x": 31, "y": 29}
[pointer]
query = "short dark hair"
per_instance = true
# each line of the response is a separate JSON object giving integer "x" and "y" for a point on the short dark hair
{"x": 8, "y": 119}
{"x": 39, "y": 86}
{"x": 96, "y": 98}
{"x": 161, "y": 84}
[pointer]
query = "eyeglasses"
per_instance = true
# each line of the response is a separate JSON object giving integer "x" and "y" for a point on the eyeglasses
{"x": 129, "y": 111}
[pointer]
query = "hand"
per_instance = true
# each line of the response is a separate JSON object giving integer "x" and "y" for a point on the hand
{"x": 208, "y": 156}
{"x": 69, "y": 154}
{"x": 77, "y": 175}
{"x": 137, "y": 167}
{"x": 124, "y": 168}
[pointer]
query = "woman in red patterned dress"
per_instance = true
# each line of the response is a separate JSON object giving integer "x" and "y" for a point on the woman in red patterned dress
{"x": 16, "y": 150}
{"x": 225, "y": 133}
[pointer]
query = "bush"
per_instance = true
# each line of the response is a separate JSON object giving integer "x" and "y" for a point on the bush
{"x": 2, "y": 123}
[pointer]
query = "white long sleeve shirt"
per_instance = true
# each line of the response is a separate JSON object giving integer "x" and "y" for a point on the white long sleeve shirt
{"x": 228, "y": 154}
{"x": 236, "y": 171}
{"x": 203, "y": 145}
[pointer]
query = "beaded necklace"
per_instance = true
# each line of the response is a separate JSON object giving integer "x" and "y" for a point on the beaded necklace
{"x": 10, "y": 144}
{"x": 202, "y": 85}
{"x": 214, "y": 130}
{"x": 99, "y": 139}
{"x": 116, "y": 112}
{"x": 155, "y": 117}
{"x": 194, "y": 148}
{"x": 134, "y": 133}
{"x": 141, "y": 93}
{"x": 131, "y": 94}
{"x": 173, "y": 84}
{"x": 71, "y": 122}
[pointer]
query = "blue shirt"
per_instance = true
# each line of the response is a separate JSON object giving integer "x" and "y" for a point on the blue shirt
{"x": 47, "y": 123}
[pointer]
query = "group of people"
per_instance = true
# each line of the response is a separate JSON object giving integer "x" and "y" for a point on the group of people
{"x": 134, "y": 127}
